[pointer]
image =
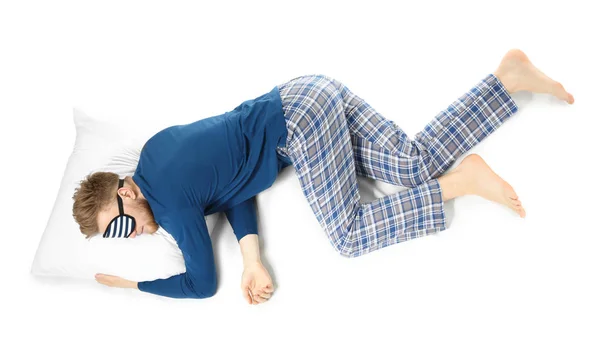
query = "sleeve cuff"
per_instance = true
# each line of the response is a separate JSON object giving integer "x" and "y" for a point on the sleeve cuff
{"x": 246, "y": 232}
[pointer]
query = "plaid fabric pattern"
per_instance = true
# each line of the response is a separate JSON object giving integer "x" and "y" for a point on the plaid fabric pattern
{"x": 334, "y": 135}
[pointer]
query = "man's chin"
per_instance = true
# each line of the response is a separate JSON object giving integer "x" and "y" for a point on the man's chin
{"x": 150, "y": 228}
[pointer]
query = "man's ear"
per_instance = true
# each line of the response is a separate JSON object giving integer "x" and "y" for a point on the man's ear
{"x": 132, "y": 193}
{"x": 126, "y": 192}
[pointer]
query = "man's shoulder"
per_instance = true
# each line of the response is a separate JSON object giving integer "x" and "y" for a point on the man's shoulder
{"x": 174, "y": 219}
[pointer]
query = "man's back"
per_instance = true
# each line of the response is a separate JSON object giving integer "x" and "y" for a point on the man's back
{"x": 216, "y": 162}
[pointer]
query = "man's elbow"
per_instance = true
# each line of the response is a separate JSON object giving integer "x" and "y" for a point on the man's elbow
{"x": 209, "y": 291}
{"x": 203, "y": 289}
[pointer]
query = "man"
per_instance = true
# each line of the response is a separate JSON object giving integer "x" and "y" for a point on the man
{"x": 329, "y": 135}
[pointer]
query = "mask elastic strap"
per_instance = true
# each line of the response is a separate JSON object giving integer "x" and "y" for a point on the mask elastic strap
{"x": 119, "y": 200}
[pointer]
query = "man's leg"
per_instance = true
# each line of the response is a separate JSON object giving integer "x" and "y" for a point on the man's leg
{"x": 384, "y": 152}
{"x": 320, "y": 150}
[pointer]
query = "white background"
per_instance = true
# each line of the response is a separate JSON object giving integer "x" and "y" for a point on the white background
{"x": 492, "y": 285}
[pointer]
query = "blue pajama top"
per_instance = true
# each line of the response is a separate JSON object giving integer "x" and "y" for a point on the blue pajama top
{"x": 214, "y": 164}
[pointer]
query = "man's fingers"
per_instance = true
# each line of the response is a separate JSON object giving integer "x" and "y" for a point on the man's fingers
{"x": 257, "y": 295}
{"x": 261, "y": 295}
{"x": 104, "y": 282}
{"x": 101, "y": 278}
{"x": 246, "y": 293}
{"x": 111, "y": 280}
{"x": 264, "y": 294}
{"x": 104, "y": 275}
{"x": 247, "y": 296}
{"x": 107, "y": 282}
{"x": 259, "y": 299}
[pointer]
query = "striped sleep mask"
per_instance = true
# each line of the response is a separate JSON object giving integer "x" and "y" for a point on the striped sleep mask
{"x": 122, "y": 225}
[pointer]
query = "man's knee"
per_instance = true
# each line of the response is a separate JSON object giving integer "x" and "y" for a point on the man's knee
{"x": 345, "y": 248}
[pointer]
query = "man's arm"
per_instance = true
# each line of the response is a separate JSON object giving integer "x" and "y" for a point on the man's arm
{"x": 200, "y": 279}
{"x": 257, "y": 285}
{"x": 242, "y": 218}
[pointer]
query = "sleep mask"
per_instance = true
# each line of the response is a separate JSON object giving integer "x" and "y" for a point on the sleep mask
{"x": 122, "y": 225}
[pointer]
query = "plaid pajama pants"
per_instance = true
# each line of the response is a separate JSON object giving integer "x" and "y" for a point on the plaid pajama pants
{"x": 334, "y": 135}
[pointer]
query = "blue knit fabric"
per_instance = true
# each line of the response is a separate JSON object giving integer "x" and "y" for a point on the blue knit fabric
{"x": 216, "y": 164}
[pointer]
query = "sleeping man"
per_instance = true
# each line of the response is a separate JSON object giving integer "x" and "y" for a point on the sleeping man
{"x": 329, "y": 135}
{"x": 184, "y": 173}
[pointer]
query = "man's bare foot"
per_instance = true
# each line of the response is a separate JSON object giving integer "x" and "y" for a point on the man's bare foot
{"x": 479, "y": 179}
{"x": 517, "y": 73}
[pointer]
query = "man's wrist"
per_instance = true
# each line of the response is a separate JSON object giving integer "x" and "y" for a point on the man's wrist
{"x": 251, "y": 263}
{"x": 250, "y": 250}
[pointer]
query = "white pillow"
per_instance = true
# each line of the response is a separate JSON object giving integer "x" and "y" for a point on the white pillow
{"x": 105, "y": 145}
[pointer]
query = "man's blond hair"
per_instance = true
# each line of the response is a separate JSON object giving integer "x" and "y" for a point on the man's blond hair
{"x": 95, "y": 193}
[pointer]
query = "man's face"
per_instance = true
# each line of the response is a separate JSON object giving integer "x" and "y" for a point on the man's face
{"x": 138, "y": 208}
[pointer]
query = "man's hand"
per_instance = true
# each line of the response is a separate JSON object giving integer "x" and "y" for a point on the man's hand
{"x": 256, "y": 283}
{"x": 115, "y": 281}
